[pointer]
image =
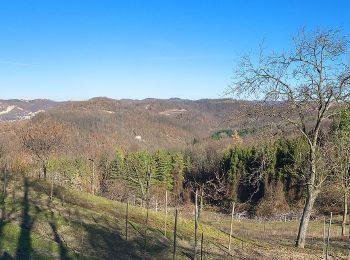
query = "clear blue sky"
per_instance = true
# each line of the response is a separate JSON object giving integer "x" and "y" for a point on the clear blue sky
{"x": 136, "y": 49}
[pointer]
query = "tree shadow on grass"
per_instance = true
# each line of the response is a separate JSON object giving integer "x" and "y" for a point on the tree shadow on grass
{"x": 105, "y": 240}
{"x": 5, "y": 218}
{"x": 3, "y": 222}
{"x": 57, "y": 238}
{"x": 24, "y": 245}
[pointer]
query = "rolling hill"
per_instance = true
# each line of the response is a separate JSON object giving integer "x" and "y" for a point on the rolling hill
{"x": 19, "y": 109}
{"x": 154, "y": 123}
{"x": 144, "y": 124}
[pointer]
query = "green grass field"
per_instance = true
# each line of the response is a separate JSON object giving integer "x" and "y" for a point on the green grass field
{"x": 77, "y": 225}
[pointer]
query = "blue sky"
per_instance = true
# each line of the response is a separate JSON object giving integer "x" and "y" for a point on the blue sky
{"x": 74, "y": 50}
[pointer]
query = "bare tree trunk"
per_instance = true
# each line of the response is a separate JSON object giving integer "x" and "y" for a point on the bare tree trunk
{"x": 305, "y": 218}
{"x": 312, "y": 193}
{"x": 345, "y": 213}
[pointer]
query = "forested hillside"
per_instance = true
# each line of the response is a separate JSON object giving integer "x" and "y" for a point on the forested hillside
{"x": 186, "y": 145}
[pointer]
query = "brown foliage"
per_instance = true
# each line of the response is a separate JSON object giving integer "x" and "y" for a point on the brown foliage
{"x": 274, "y": 201}
{"x": 43, "y": 138}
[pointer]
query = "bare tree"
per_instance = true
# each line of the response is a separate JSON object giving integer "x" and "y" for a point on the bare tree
{"x": 42, "y": 138}
{"x": 304, "y": 87}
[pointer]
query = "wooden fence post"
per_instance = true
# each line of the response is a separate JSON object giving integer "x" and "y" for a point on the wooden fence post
{"x": 328, "y": 236}
{"x": 349, "y": 218}
{"x": 52, "y": 183}
{"x": 81, "y": 236}
{"x": 195, "y": 225}
{"x": 126, "y": 220}
{"x": 175, "y": 230}
{"x": 324, "y": 236}
{"x": 166, "y": 212}
{"x": 201, "y": 204}
{"x": 343, "y": 226}
{"x": 147, "y": 202}
{"x": 93, "y": 177}
{"x": 231, "y": 227}
{"x": 202, "y": 246}
{"x": 5, "y": 184}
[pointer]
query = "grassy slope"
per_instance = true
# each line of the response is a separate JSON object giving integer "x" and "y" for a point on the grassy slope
{"x": 79, "y": 225}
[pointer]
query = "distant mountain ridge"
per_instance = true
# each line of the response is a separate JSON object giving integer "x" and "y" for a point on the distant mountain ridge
{"x": 20, "y": 109}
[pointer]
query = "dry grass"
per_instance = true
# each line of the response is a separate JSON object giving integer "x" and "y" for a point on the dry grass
{"x": 78, "y": 225}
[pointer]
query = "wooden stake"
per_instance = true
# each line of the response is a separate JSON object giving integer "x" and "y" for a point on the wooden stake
{"x": 126, "y": 220}
{"x": 324, "y": 236}
{"x": 5, "y": 184}
{"x": 166, "y": 212}
{"x": 81, "y": 235}
{"x": 202, "y": 246}
{"x": 195, "y": 225}
{"x": 147, "y": 202}
{"x": 201, "y": 204}
{"x": 175, "y": 230}
{"x": 343, "y": 226}
{"x": 231, "y": 227}
{"x": 93, "y": 177}
{"x": 52, "y": 181}
{"x": 349, "y": 223}
{"x": 328, "y": 236}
